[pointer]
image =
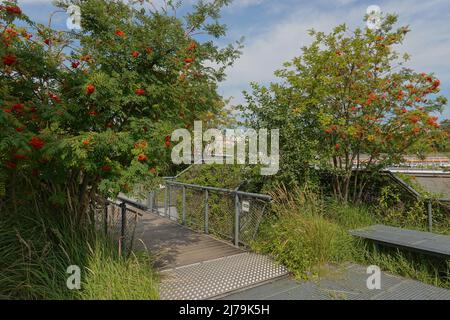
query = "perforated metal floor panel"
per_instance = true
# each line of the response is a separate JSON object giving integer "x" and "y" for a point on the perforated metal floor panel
{"x": 347, "y": 283}
{"x": 217, "y": 277}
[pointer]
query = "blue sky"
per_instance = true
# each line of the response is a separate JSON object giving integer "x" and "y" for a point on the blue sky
{"x": 275, "y": 30}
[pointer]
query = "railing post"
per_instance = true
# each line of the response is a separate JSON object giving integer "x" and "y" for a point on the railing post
{"x": 151, "y": 200}
{"x": 106, "y": 217}
{"x": 170, "y": 200}
{"x": 123, "y": 227}
{"x": 430, "y": 215}
{"x": 184, "y": 205}
{"x": 236, "y": 220}
{"x": 165, "y": 199}
{"x": 206, "y": 211}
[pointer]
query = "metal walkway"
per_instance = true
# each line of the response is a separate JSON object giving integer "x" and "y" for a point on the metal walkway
{"x": 215, "y": 278}
{"x": 198, "y": 266}
{"x": 347, "y": 283}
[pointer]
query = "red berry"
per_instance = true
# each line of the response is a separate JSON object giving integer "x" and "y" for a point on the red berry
{"x": 90, "y": 89}
{"x": 414, "y": 119}
{"x": 192, "y": 46}
{"x": 120, "y": 33}
{"x": 139, "y": 91}
{"x": 11, "y": 165}
{"x": 13, "y": 9}
{"x": 20, "y": 157}
{"x": 54, "y": 97}
{"x": 136, "y": 54}
{"x": 18, "y": 107}
{"x": 36, "y": 143}
{"x": 9, "y": 59}
{"x": 142, "y": 157}
{"x": 106, "y": 168}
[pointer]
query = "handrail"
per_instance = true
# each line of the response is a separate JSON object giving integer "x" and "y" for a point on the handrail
{"x": 230, "y": 191}
{"x": 125, "y": 201}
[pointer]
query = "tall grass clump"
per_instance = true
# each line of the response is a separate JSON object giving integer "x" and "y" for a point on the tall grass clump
{"x": 428, "y": 269}
{"x": 36, "y": 250}
{"x": 112, "y": 277}
{"x": 299, "y": 236}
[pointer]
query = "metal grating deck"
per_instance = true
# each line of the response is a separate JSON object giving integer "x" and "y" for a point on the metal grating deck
{"x": 343, "y": 284}
{"x": 214, "y": 278}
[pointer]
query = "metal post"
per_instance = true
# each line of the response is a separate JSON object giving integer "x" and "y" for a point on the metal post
{"x": 206, "y": 211}
{"x": 170, "y": 200}
{"x": 430, "y": 215}
{"x": 236, "y": 221}
{"x": 123, "y": 227}
{"x": 184, "y": 205}
{"x": 151, "y": 201}
{"x": 106, "y": 218}
{"x": 165, "y": 200}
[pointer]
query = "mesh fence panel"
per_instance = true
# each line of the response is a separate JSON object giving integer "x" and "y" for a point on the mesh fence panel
{"x": 187, "y": 204}
{"x": 221, "y": 212}
{"x": 251, "y": 214}
{"x": 121, "y": 229}
{"x": 195, "y": 209}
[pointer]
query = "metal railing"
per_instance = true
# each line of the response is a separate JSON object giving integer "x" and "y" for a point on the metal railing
{"x": 229, "y": 214}
{"x": 429, "y": 201}
{"x": 118, "y": 221}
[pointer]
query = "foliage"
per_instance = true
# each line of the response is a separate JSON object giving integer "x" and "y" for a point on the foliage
{"x": 90, "y": 112}
{"x": 348, "y": 103}
{"x": 424, "y": 268}
{"x": 300, "y": 237}
{"x": 307, "y": 232}
{"x": 36, "y": 251}
{"x": 110, "y": 277}
{"x": 216, "y": 175}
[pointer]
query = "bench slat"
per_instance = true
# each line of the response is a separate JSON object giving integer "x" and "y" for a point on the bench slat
{"x": 425, "y": 242}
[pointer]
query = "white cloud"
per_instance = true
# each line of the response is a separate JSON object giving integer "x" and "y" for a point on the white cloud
{"x": 20, "y": 2}
{"x": 281, "y": 40}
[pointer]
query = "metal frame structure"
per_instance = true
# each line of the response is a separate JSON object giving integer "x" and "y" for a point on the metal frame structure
{"x": 206, "y": 190}
{"x": 122, "y": 224}
{"x": 417, "y": 195}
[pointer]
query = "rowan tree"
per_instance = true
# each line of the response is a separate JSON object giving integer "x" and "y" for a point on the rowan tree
{"x": 351, "y": 104}
{"x": 89, "y": 112}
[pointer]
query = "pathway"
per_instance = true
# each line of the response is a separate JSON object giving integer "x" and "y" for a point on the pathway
{"x": 348, "y": 283}
{"x": 198, "y": 266}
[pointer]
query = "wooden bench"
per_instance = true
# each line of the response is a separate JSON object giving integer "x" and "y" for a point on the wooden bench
{"x": 423, "y": 242}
